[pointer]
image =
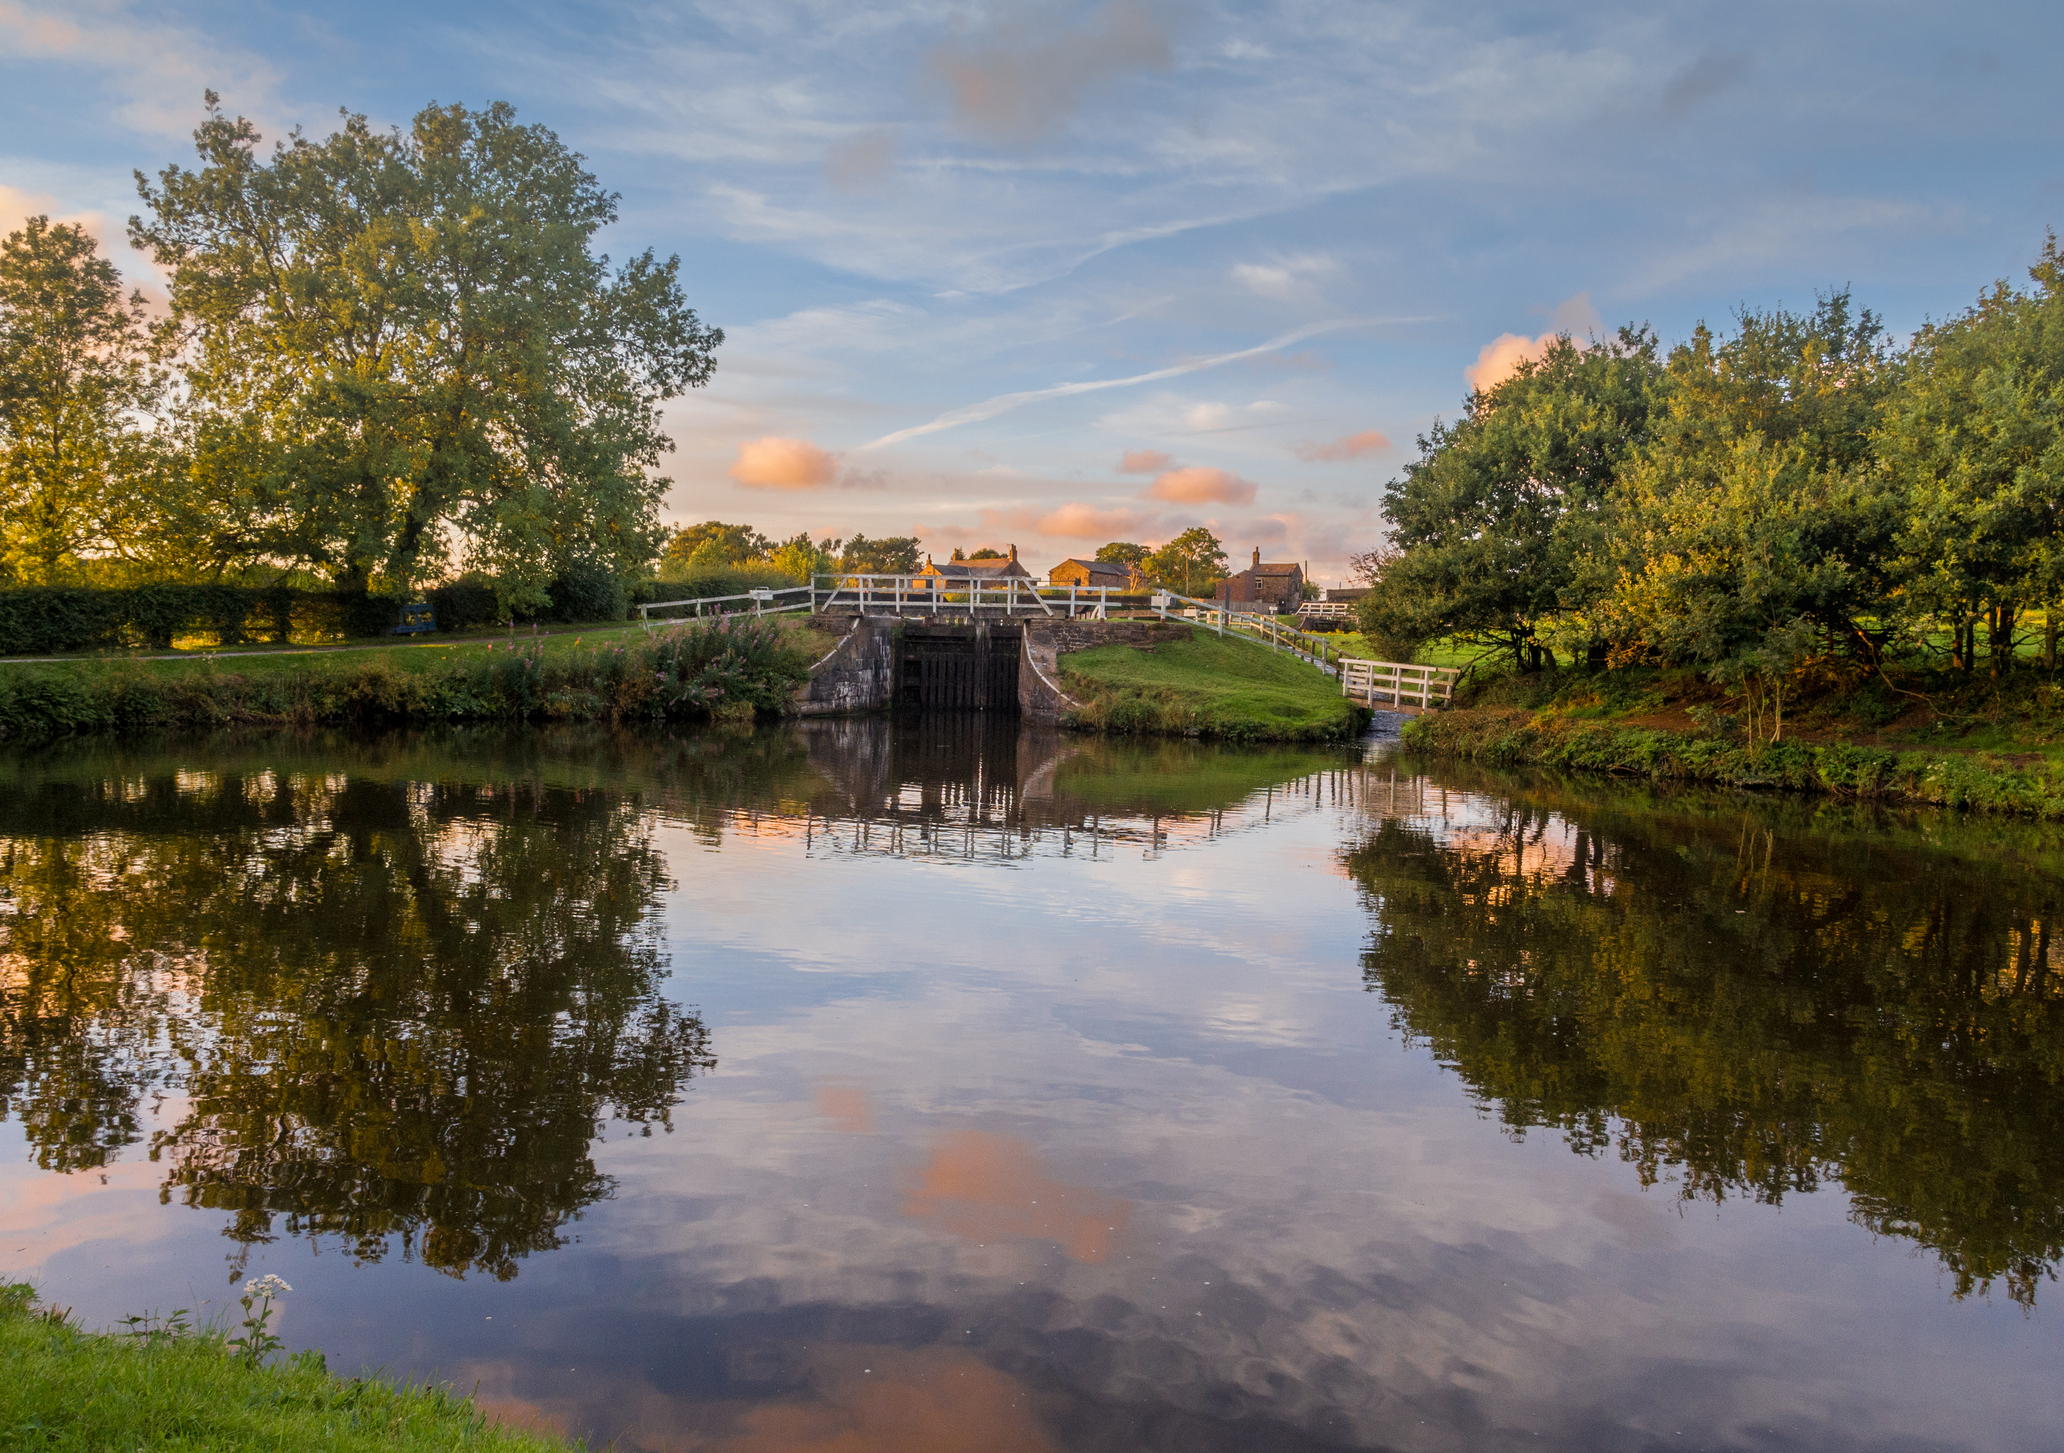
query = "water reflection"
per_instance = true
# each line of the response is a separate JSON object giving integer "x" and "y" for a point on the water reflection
{"x": 1052, "y": 1112}
{"x": 1748, "y": 1002}
{"x": 369, "y": 1010}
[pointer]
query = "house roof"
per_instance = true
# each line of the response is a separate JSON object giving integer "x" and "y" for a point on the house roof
{"x": 1267, "y": 569}
{"x": 1101, "y": 567}
{"x": 966, "y": 568}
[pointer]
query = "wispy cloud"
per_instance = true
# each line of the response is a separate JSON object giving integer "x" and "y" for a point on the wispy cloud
{"x": 1348, "y": 446}
{"x": 1005, "y": 403}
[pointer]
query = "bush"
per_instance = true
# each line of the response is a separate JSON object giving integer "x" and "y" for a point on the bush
{"x": 587, "y": 591}
{"x": 705, "y": 581}
{"x": 41, "y": 620}
{"x": 465, "y": 603}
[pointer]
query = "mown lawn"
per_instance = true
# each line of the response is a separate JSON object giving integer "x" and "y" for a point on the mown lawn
{"x": 65, "y": 1388}
{"x": 1207, "y": 686}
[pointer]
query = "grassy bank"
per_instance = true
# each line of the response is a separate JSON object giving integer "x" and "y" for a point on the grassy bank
{"x": 66, "y": 1388}
{"x": 1207, "y": 686}
{"x": 732, "y": 668}
{"x": 1497, "y": 735}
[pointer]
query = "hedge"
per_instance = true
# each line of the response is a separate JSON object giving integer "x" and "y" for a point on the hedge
{"x": 39, "y": 620}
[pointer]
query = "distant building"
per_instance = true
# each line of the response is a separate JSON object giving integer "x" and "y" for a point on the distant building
{"x": 1105, "y": 574}
{"x": 954, "y": 570}
{"x": 1278, "y": 587}
{"x": 1348, "y": 593}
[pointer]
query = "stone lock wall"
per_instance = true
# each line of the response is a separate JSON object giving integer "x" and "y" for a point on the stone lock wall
{"x": 860, "y": 674}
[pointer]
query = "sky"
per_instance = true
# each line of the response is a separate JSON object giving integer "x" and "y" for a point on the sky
{"x": 1057, "y": 274}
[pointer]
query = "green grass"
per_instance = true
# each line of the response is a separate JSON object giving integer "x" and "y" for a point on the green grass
{"x": 606, "y": 674}
{"x": 66, "y": 1388}
{"x": 1207, "y": 686}
{"x": 1505, "y": 737}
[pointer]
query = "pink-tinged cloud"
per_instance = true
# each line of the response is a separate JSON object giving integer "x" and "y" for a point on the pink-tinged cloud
{"x": 1033, "y": 72}
{"x": 1197, "y": 485}
{"x": 1500, "y": 358}
{"x": 1350, "y": 446}
{"x": 1144, "y": 461}
{"x": 1073, "y": 521}
{"x": 777, "y": 463}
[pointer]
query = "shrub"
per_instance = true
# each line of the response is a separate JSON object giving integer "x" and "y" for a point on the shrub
{"x": 586, "y": 591}
{"x": 465, "y": 603}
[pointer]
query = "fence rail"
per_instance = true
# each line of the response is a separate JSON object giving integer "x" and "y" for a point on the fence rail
{"x": 757, "y": 602}
{"x": 1401, "y": 682}
{"x": 1254, "y": 626}
{"x": 948, "y": 594}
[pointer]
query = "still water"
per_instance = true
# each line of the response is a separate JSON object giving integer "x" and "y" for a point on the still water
{"x": 933, "y": 1087}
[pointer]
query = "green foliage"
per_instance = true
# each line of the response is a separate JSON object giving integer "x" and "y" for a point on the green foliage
{"x": 1976, "y": 440}
{"x": 801, "y": 558}
{"x": 74, "y": 373}
{"x": 737, "y": 665}
{"x": 1123, "y": 553}
{"x": 395, "y": 341}
{"x": 704, "y": 581}
{"x": 891, "y": 555}
{"x": 42, "y": 621}
{"x": 697, "y": 547}
{"x": 1965, "y": 780}
{"x": 1762, "y": 505}
{"x": 166, "y": 1389}
{"x": 1491, "y": 523}
{"x": 588, "y": 590}
{"x": 1191, "y": 564}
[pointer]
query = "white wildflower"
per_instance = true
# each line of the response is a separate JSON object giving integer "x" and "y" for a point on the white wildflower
{"x": 266, "y": 1286}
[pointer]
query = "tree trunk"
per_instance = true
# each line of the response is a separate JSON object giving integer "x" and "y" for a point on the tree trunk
{"x": 2049, "y": 638}
{"x": 1999, "y": 635}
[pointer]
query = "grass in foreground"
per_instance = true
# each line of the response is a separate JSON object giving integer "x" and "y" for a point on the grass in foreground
{"x": 1207, "y": 686}
{"x": 66, "y": 1388}
{"x": 740, "y": 666}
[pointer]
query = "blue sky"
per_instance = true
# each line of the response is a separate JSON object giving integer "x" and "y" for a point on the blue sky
{"x": 1276, "y": 238}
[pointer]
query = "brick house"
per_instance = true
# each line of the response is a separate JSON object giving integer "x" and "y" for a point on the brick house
{"x": 1107, "y": 574}
{"x": 1279, "y": 587}
{"x": 959, "y": 570}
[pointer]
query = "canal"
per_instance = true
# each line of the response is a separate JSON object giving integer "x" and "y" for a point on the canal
{"x": 944, "y": 1084}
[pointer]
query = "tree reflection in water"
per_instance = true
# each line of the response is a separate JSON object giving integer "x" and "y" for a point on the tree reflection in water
{"x": 1743, "y": 1005}
{"x": 379, "y": 1010}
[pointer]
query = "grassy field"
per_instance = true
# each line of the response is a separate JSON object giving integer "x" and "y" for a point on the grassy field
{"x": 1207, "y": 686}
{"x": 607, "y": 673}
{"x": 66, "y": 1388}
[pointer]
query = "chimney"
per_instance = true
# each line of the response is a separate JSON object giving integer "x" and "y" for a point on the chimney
{"x": 1014, "y": 554}
{"x": 1257, "y": 557}
{"x": 928, "y": 560}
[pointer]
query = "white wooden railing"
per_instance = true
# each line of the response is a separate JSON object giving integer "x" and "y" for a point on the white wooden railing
{"x": 1400, "y": 682}
{"x": 756, "y": 602}
{"x": 947, "y": 594}
{"x": 1257, "y": 626}
{"x": 1326, "y": 610}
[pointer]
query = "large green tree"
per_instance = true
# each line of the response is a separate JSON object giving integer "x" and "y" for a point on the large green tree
{"x": 1492, "y": 520}
{"x": 75, "y": 376}
{"x": 401, "y": 345}
{"x": 1192, "y": 563}
{"x": 1976, "y": 438}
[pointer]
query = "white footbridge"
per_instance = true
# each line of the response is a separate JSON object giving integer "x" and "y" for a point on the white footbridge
{"x": 1382, "y": 685}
